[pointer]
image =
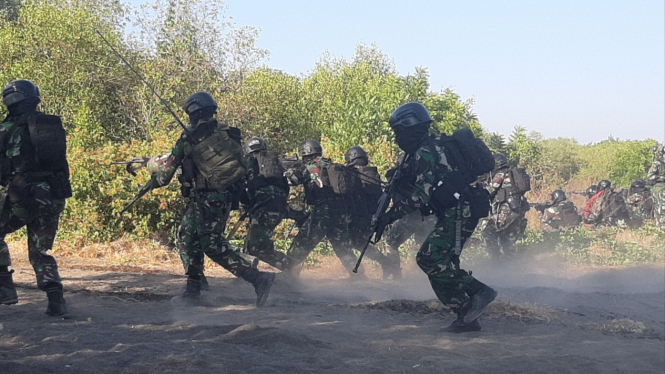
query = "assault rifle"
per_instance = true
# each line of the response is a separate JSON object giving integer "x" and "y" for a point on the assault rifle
{"x": 540, "y": 206}
{"x": 584, "y": 193}
{"x": 378, "y": 225}
{"x": 148, "y": 186}
{"x": 141, "y": 162}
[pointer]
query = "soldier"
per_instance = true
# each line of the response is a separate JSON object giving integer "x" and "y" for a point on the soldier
{"x": 428, "y": 175}
{"x": 559, "y": 214}
{"x": 35, "y": 173}
{"x": 639, "y": 201}
{"x": 656, "y": 179}
{"x": 330, "y": 215}
{"x": 210, "y": 154}
{"x": 365, "y": 205}
{"x": 267, "y": 192}
{"x": 606, "y": 207}
{"x": 507, "y": 221}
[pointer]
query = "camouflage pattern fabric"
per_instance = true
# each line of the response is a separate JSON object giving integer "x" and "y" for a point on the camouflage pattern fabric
{"x": 640, "y": 204}
{"x": 436, "y": 256}
{"x": 560, "y": 216}
{"x": 201, "y": 232}
{"x": 656, "y": 178}
{"x": 505, "y": 225}
{"x": 413, "y": 224}
{"x": 271, "y": 203}
{"x": 41, "y": 217}
{"x": 324, "y": 221}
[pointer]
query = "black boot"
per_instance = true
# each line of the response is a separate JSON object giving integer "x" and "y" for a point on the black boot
{"x": 8, "y": 294}
{"x": 261, "y": 281}
{"x": 479, "y": 302}
{"x": 57, "y": 306}
{"x": 459, "y": 326}
{"x": 191, "y": 296}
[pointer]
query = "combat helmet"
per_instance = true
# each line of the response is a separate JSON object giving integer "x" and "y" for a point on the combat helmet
{"x": 639, "y": 184}
{"x": 500, "y": 161}
{"x": 356, "y": 155}
{"x": 255, "y": 144}
{"x": 592, "y": 190}
{"x": 20, "y": 90}
{"x": 200, "y": 100}
{"x": 409, "y": 115}
{"x": 558, "y": 196}
{"x": 310, "y": 147}
{"x": 604, "y": 184}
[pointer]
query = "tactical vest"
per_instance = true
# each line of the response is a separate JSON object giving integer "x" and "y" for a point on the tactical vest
{"x": 43, "y": 157}
{"x": 343, "y": 180}
{"x": 266, "y": 170}
{"x": 218, "y": 160}
{"x": 569, "y": 215}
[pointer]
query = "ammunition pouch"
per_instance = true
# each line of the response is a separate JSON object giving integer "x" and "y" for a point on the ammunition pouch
{"x": 479, "y": 202}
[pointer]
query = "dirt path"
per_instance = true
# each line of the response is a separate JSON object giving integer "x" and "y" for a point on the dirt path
{"x": 591, "y": 321}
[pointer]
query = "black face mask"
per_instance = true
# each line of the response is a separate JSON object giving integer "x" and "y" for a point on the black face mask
{"x": 28, "y": 106}
{"x": 409, "y": 138}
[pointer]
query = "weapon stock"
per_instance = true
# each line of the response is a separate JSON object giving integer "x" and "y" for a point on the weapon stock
{"x": 377, "y": 227}
{"x": 131, "y": 169}
{"x": 540, "y": 206}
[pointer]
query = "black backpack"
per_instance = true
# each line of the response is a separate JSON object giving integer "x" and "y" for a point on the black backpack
{"x": 269, "y": 165}
{"x": 470, "y": 158}
{"x": 521, "y": 181}
{"x": 343, "y": 180}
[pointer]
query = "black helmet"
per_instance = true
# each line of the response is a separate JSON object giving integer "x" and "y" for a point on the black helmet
{"x": 410, "y": 114}
{"x": 500, "y": 161}
{"x": 638, "y": 184}
{"x": 592, "y": 190}
{"x": 356, "y": 155}
{"x": 604, "y": 184}
{"x": 255, "y": 144}
{"x": 310, "y": 147}
{"x": 20, "y": 90}
{"x": 200, "y": 100}
{"x": 558, "y": 196}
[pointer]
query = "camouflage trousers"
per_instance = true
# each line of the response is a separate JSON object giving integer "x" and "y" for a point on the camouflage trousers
{"x": 323, "y": 223}
{"x": 658, "y": 192}
{"x": 413, "y": 224}
{"x": 41, "y": 218}
{"x": 259, "y": 243}
{"x": 201, "y": 232}
{"x": 436, "y": 257}
{"x": 360, "y": 231}
{"x": 501, "y": 230}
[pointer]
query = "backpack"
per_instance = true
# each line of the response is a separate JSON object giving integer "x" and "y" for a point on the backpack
{"x": 370, "y": 179}
{"x": 343, "y": 180}
{"x": 269, "y": 165}
{"x": 470, "y": 158}
{"x": 521, "y": 181}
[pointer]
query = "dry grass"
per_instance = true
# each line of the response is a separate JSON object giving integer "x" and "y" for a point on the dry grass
{"x": 523, "y": 312}
{"x": 617, "y": 326}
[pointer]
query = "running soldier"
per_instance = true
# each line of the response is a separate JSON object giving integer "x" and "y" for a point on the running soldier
{"x": 507, "y": 222}
{"x": 327, "y": 192}
{"x": 265, "y": 202}
{"x": 656, "y": 179}
{"x": 35, "y": 174}
{"x": 211, "y": 163}
{"x": 365, "y": 205}
{"x": 431, "y": 180}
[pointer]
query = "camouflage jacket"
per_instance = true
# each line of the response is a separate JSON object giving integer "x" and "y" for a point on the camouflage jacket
{"x": 656, "y": 174}
{"x": 640, "y": 203}
{"x": 562, "y": 215}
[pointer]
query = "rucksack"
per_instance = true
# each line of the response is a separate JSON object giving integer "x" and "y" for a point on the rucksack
{"x": 470, "y": 158}
{"x": 343, "y": 180}
{"x": 370, "y": 179}
{"x": 521, "y": 181}
{"x": 269, "y": 165}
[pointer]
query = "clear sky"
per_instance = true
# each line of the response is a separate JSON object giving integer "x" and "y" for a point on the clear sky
{"x": 584, "y": 69}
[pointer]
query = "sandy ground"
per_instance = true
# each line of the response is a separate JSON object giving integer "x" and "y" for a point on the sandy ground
{"x": 549, "y": 318}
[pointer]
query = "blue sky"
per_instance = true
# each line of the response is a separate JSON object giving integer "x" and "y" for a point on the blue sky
{"x": 583, "y": 69}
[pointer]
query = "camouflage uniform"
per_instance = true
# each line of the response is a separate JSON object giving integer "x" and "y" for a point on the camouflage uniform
{"x": 436, "y": 257}
{"x": 34, "y": 205}
{"x": 656, "y": 178}
{"x": 506, "y": 224}
{"x": 267, "y": 207}
{"x": 329, "y": 217}
{"x": 201, "y": 231}
{"x": 640, "y": 203}
{"x": 559, "y": 217}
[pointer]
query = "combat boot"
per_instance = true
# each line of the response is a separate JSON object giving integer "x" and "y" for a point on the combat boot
{"x": 459, "y": 326}
{"x": 8, "y": 294}
{"x": 191, "y": 296}
{"x": 261, "y": 281}
{"x": 57, "y": 306}
{"x": 479, "y": 302}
